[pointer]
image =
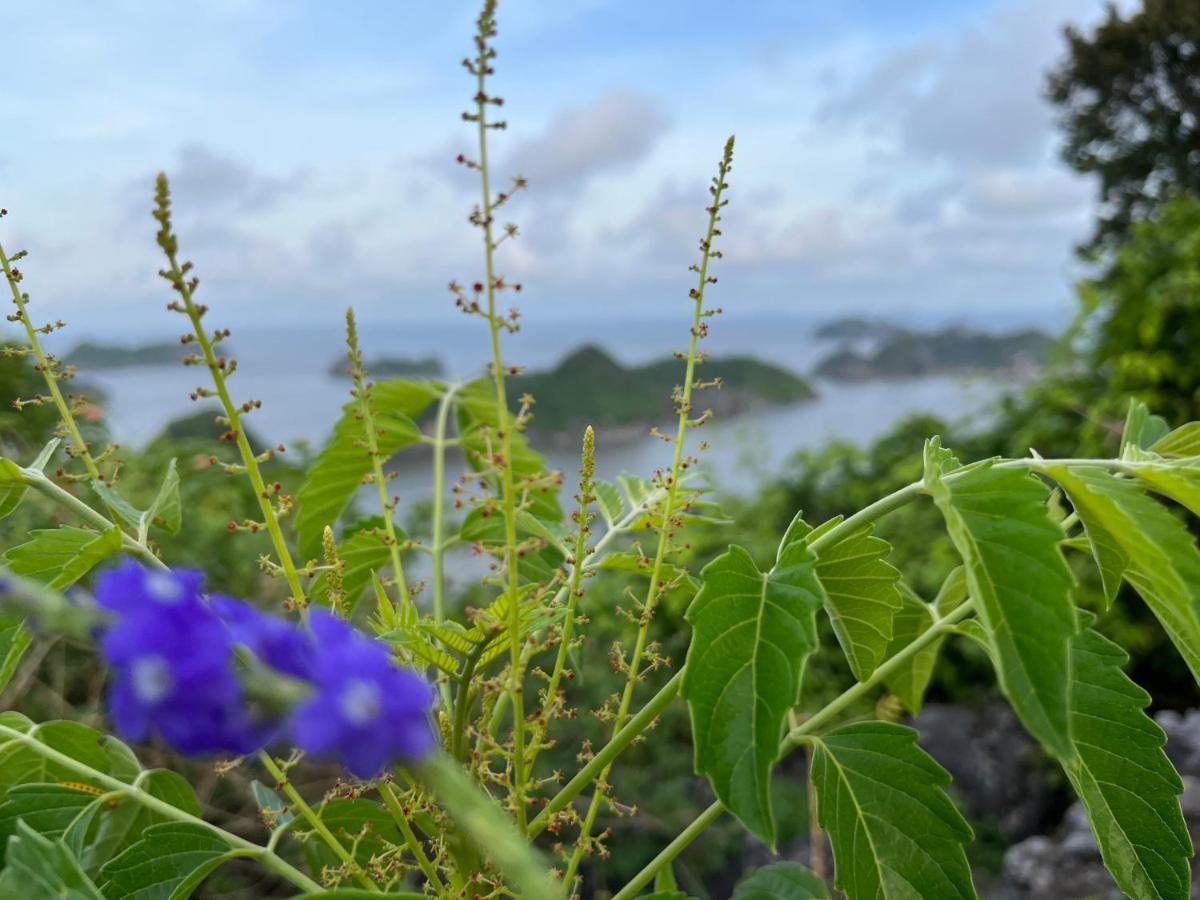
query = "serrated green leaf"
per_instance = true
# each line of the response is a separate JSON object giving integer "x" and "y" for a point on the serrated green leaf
{"x": 41, "y": 869}
{"x": 1021, "y": 586}
{"x": 910, "y": 681}
{"x": 860, "y": 593}
{"x": 338, "y": 471}
{"x": 129, "y": 514}
{"x": 58, "y": 557}
{"x": 1138, "y": 538}
{"x": 752, "y": 633}
{"x": 99, "y": 548}
{"x": 895, "y": 833}
{"x": 165, "y": 863}
{"x": 12, "y": 488}
{"x": 1183, "y": 441}
{"x": 46, "y": 808}
{"x": 477, "y": 425}
{"x": 1120, "y": 772}
{"x": 781, "y": 881}
{"x": 14, "y": 641}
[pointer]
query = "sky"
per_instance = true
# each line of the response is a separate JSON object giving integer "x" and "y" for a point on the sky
{"x": 895, "y": 159}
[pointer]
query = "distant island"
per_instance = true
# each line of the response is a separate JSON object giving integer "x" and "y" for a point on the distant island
{"x": 589, "y": 387}
{"x": 958, "y": 350}
{"x": 857, "y": 328}
{"x": 93, "y": 355}
{"x": 390, "y": 367}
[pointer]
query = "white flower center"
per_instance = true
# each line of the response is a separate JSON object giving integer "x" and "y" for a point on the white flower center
{"x": 359, "y": 702}
{"x": 152, "y": 679}
{"x": 163, "y": 588}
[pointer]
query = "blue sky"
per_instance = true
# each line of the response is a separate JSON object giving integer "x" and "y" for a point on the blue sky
{"x": 893, "y": 158}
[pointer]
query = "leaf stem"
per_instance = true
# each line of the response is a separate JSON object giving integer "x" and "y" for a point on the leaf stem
{"x": 314, "y": 820}
{"x": 264, "y": 855}
{"x": 437, "y": 544}
{"x": 388, "y": 792}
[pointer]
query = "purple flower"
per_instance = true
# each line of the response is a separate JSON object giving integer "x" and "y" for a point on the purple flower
{"x": 172, "y": 661}
{"x": 275, "y": 641}
{"x": 365, "y": 710}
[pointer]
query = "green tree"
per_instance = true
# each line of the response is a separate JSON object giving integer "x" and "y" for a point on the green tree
{"x": 1129, "y": 93}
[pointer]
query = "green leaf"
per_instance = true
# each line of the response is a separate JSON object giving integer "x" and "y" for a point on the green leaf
{"x": 46, "y": 808}
{"x": 12, "y": 488}
{"x": 781, "y": 881}
{"x": 41, "y": 869}
{"x": 608, "y": 501}
{"x": 1120, "y": 772}
{"x": 1133, "y": 535}
{"x": 1142, "y": 428}
{"x": 664, "y": 879}
{"x": 1021, "y": 586}
{"x": 102, "y": 546}
{"x": 539, "y": 564}
{"x": 910, "y": 681}
{"x": 752, "y": 633}
{"x": 59, "y": 557}
{"x": 168, "y": 862}
{"x": 165, "y": 511}
{"x": 1183, "y": 441}
{"x": 14, "y": 641}
{"x": 111, "y": 826}
{"x": 273, "y": 808}
{"x": 334, "y": 478}
{"x": 129, "y": 514}
{"x": 477, "y": 426}
{"x": 860, "y": 593}
{"x": 1178, "y": 479}
{"x": 894, "y": 831}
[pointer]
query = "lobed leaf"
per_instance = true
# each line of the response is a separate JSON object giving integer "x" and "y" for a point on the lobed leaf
{"x": 1183, "y": 441}
{"x": 1128, "y": 786}
{"x": 752, "y": 634}
{"x": 1136, "y": 538}
{"x": 59, "y": 557}
{"x": 860, "y": 593}
{"x": 1016, "y": 574}
{"x": 895, "y": 833}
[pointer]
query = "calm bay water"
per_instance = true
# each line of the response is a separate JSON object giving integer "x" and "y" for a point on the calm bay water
{"x": 287, "y": 371}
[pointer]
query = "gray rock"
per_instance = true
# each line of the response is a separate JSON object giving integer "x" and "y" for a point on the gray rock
{"x": 1183, "y": 739}
{"x": 999, "y": 772}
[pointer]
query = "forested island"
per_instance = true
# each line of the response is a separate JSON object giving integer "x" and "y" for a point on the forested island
{"x": 589, "y": 387}
{"x": 958, "y": 350}
{"x": 96, "y": 355}
{"x": 390, "y": 367}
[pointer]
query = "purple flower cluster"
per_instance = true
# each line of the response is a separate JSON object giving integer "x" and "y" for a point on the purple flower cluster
{"x": 172, "y": 650}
